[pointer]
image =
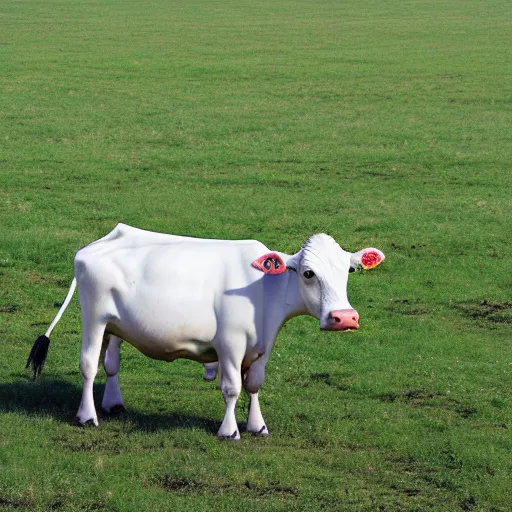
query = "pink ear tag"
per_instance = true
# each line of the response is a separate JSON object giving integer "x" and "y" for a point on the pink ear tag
{"x": 270, "y": 263}
{"x": 371, "y": 258}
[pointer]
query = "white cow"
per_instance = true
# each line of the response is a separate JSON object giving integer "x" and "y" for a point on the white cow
{"x": 207, "y": 300}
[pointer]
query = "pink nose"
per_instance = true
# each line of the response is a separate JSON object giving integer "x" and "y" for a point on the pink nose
{"x": 343, "y": 320}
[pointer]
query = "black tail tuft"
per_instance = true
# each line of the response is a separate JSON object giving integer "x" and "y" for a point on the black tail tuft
{"x": 38, "y": 355}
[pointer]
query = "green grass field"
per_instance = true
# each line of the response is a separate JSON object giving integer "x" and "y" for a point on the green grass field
{"x": 384, "y": 124}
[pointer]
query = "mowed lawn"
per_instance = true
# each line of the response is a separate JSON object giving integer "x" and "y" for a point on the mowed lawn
{"x": 383, "y": 123}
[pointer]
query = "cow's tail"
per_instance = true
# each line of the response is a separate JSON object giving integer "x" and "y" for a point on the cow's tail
{"x": 37, "y": 356}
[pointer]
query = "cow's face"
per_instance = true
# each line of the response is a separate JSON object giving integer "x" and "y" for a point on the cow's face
{"x": 322, "y": 269}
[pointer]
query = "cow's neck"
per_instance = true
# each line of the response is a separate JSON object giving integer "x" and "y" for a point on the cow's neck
{"x": 293, "y": 303}
{"x": 282, "y": 302}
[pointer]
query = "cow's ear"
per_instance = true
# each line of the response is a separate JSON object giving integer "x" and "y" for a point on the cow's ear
{"x": 270, "y": 263}
{"x": 367, "y": 258}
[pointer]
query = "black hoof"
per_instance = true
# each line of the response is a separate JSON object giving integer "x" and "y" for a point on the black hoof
{"x": 262, "y": 432}
{"x": 233, "y": 437}
{"x": 89, "y": 423}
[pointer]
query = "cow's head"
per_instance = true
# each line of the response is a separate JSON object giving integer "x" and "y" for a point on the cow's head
{"x": 322, "y": 268}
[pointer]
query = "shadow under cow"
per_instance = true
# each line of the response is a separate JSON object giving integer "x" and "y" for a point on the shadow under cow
{"x": 59, "y": 399}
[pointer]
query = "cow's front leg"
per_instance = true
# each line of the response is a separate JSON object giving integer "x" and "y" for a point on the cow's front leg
{"x": 112, "y": 397}
{"x": 230, "y": 385}
{"x": 253, "y": 381}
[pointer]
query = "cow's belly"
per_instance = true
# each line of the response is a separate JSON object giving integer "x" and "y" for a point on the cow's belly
{"x": 166, "y": 348}
{"x": 167, "y": 329}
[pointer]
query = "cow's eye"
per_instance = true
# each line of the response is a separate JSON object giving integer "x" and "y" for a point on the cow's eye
{"x": 308, "y": 274}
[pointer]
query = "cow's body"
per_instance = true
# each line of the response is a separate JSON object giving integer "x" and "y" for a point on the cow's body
{"x": 173, "y": 297}
{"x": 206, "y": 300}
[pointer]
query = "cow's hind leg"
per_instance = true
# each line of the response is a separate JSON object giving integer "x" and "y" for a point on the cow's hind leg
{"x": 112, "y": 398}
{"x": 92, "y": 339}
{"x": 253, "y": 381}
{"x": 210, "y": 371}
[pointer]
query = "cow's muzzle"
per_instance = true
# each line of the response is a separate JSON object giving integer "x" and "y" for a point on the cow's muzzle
{"x": 342, "y": 320}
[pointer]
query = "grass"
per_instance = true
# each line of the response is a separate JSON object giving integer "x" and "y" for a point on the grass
{"x": 383, "y": 124}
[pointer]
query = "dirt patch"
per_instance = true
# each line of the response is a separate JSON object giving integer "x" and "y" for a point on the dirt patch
{"x": 12, "y": 504}
{"x": 410, "y": 466}
{"x": 468, "y": 504}
{"x": 407, "y": 307}
{"x": 407, "y": 395}
{"x": 99, "y": 445}
{"x": 487, "y": 312}
{"x": 183, "y": 485}
{"x": 11, "y": 308}
{"x": 95, "y": 505}
{"x": 422, "y": 398}
{"x": 377, "y": 174}
{"x": 326, "y": 379}
{"x": 272, "y": 488}
{"x": 407, "y": 491}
